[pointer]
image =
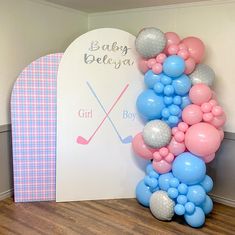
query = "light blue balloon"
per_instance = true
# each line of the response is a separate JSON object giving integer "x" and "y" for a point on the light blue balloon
{"x": 179, "y": 209}
{"x": 168, "y": 100}
{"x": 169, "y": 90}
{"x": 197, "y": 219}
{"x": 151, "y": 182}
{"x": 183, "y": 188}
{"x": 150, "y": 105}
{"x": 164, "y": 181}
{"x": 166, "y": 113}
{"x": 207, "y": 205}
{"x": 177, "y": 100}
{"x": 189, "y": 208}
{"x": 150, "y": 78}
{"x": 143, "y": 193}
{"x": 188, "y": 168}
{"x": 172, "y": 193}
{"x": 207, "y": 183}
{"x": 158, "y": 88}
{"x": 173, "y": 121}
{"x": 165, "y": 80}
{"x": 149, "y": 168}
{"x": 196, "y": 194}
{"x": 174, "y": 182}
{"x": 182, "y": 85}
{"x": 185, "y": 102}
{"x": 173, "y": 66}
{"x": 182, "y": 199}
{"x": 175, "y": 110}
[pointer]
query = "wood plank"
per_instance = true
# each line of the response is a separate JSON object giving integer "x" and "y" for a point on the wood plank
{"x": 124, "y": 216}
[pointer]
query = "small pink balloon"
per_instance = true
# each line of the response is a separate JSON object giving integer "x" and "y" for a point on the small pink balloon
{"x": 195, "y": 47}
{"x": 143, "y": 66}
{"x": 174, "y": 130}
{"x": 200, "y": 93}
{"x": 164, "y": 151}
{"x": 182, "y": 126}
{"x": 179, "y": 136}
{"x": 151, "y": 62}
{"x": 182, "y": 46}
{"x": 169, "y": 158}
{"x": 157, "y": 68}
{"x": 161, "y": 58}
{"x": 207, "y": 117}
{"x": 172, "y": 38}
{"x": 175, "y": 147}
{"x": 140, "y": 148}
{"x": 189, "y": 65}
{"x": 218, "y": 121}
{"x": 192, "y": 114}
{"x": 157, "y": 156}
{"x": 173, "y": 49}
{"x": 209, "y": 158}
{"x": 217, "y": 110}
{"x": 202, "y": 139}
{"x": 183, "y": 53}
{"x": 213, "y": 102}
{"x": 162, "y": 166}
{"x": 206, "y": 107}
{"x": 221, "y": 132}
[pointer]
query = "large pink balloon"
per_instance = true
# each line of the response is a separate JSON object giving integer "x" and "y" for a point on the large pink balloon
{"x": 200, "y": 93}
{"x": 202, "y": 139}
{"x": 140, "y": 148}
{"x": 192, "y": 114}
{"x": 195, "y": 47}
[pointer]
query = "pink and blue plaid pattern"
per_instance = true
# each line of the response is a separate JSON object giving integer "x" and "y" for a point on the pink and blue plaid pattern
{"x": 33, "y": 116}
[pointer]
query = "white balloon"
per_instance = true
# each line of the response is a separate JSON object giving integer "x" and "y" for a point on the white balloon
{"x": 203, "y": 74}
{"x": 150, "y": 42}
{"x": 161, "y": 206}
{"x": 157, "y": 134}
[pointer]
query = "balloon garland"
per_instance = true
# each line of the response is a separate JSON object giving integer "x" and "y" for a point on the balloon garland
{"x": 183, "y": 129}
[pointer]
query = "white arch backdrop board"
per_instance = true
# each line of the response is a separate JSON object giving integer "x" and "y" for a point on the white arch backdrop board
{"x": 98, "y": 83}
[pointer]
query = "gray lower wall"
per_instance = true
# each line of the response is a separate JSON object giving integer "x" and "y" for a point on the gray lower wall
{"x": 222, "y": 169}
{"x": 6, "y": 179}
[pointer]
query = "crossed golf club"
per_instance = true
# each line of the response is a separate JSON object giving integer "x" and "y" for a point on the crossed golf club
{"x": 126, "y": 140}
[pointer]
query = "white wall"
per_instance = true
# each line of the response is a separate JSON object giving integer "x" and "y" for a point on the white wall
{"x": 213, "y": 22}
{"x": 30, "y": 29}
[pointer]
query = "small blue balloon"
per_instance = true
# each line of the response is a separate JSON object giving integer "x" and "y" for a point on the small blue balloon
{"x": 153, "y": 174}
{"x": 173, "y": 121}
{"x": 185, "y": 102}
{"x": 182, "y": 199}
{"x": 174, "y": 110}
{"x": 196, "y": 194}
{"x": 143, "y": 193}
{"x": 173, "y": 66}
{"x": 174, "y": 182}
{"x": 177, "y": 100}
{"x": 189, "y": 208}
{"x": 172, "y": 193}
{"x": 158, "y": 87}
{"x": 165, "y": 80}
{"x": 166, "y": 113}
{"x": 197, "y": 219}
{"x": 168, "y": 90}
{"x": 150, "y": 105}
{"x": 183, "y": 188}
{"x": 149, "y": 168}
{"x": 164, "y": 181}
{"x": 182, "y": 85}
{"x": 188, "y": 168}
{"x": 150, "y": 78}
{"x": 207, "y": 183}
{"x": 207, "y": 205}
{"x": 179, "y": 209}
{"x": 168, "y": 100}
{"x": 151, "y": 182}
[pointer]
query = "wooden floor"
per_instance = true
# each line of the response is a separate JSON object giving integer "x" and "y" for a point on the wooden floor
{"x": 124, "y": 216}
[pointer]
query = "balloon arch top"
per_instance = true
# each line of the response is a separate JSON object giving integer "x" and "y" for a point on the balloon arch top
{"x": 183, "y": 128}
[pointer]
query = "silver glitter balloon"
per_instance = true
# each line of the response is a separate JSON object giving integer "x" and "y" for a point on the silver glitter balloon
{"x": 150, "y": 42}
{"x": 161, "y": 206}
{"x": 156, "y": 134}
{"x": 202, "y": 74}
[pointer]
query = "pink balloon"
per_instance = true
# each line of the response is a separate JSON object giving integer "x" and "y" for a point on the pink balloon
{"x": 157, "y": 68}
{"x": 189, "y": 65}
{"x": 192, "y": 114}
{"x": 206, "y": 107}
{"x": 161, "y": 58}
{"x": 202, "y": 139}
{"x": 172, "y": 38}
{"x": 195, "y": 47}
{"x": 209, "y": 158}
{"x": 162, "y": 166}
{"x": 221, "y": 132}
{"x": 143, "y": 65}
{"x": 183, "y": 53}
{"x": 140, "y": 148}
{"x": 218, "y": 121}
{"x": 151, "y": 62}
{"x": 207, "y": 117}
{"x": 217, "y": 110}
{"x": 173, "y": 49}
{"x": 175, "y": 147}
{"x": 200, "y": 93}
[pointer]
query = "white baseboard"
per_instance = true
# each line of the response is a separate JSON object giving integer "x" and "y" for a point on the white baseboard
{"x": 6, "y": 194}
{"x": 222, "y": 200}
